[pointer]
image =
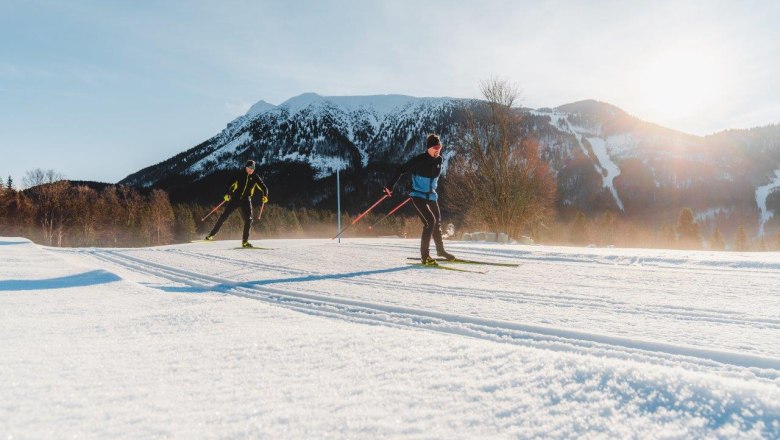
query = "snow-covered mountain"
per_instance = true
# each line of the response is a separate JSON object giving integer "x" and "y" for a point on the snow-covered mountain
{"x": 603, "y": 158}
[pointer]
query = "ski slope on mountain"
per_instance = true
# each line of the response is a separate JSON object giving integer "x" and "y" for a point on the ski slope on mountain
{"x": 312, "y": 338}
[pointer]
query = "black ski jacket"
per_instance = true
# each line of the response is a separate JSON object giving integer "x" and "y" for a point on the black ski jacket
{"x": 244, "y": 186}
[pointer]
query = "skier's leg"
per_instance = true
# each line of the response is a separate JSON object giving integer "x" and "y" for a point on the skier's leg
{"x": 428, "y": 219}
{"x": 437, "y": 239}
{"x": 228, "y": 210}
{"x": 246, "y": 215}
{"x": 433, "y": 205}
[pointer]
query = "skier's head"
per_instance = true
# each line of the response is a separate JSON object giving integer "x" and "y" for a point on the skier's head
{"x": 433, "y": 145}
{"x": 250, "y": 166}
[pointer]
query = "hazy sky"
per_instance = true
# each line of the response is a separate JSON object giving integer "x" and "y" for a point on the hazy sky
{"x": 100, "y": 89}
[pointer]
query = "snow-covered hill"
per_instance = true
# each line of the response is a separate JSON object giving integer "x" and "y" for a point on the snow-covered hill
{"x": 603, "y": 158}
{"x": 312, "y": 338}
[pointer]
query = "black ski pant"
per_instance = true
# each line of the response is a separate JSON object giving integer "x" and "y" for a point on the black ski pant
{"x": 246, "y": 215}
{"x": 429, "y": 213}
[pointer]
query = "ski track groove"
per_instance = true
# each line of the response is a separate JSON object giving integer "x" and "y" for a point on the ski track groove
{"x": 603, "y": 303}
{"x": 256, "y": 264}
{"x": 677, "y": 312}
{"x": 600, "y": 260}
{"x": 722, "y": 362}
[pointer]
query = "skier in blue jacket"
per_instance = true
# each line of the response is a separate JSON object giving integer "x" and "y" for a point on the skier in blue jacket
{"x": 425, "y": 169}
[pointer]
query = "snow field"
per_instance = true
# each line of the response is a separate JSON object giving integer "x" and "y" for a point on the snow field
{"x": 316, "y": 339}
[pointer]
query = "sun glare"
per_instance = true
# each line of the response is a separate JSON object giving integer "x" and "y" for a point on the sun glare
{"x": 680, "y": 83}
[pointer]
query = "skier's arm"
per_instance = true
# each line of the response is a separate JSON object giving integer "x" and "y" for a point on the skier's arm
{"x": 409, "y": 166}
{"x": 231, "y": 189}
{"x": 259, "y": 184}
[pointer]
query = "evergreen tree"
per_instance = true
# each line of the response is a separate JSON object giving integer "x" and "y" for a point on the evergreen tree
{"x": 717, "y": 243}
{"x": 740, "y": 240}
{"x": 688, "y": 231}
{"x": 9, "y": 184}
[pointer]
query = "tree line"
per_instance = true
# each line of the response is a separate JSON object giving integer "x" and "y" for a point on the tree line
{"x": 56, "y": 212}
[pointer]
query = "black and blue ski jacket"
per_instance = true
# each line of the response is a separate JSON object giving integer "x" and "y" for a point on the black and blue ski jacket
{"x": 425, "y": 171}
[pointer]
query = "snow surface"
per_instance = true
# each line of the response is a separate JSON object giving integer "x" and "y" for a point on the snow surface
{"x": 603, "y": 163}
{"x": 609, "y": 169}
{"x": 762, "y": 193}
{"x": 259, "y": 108}
{"x": 314, "y": 339}
{"x": 379, "y": 105}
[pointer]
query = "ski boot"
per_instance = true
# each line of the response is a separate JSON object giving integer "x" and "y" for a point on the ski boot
{"x": 446, "y": 255}
{"x": 428, "y": 261}
{"x": 209, "y": 238}
{"x": 247, "y": 245}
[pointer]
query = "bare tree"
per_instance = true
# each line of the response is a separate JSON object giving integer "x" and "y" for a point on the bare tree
{"x": 83, "y": 205}
{"x": 497, "y": 178}
{"x": 47, "y": 190}
{"x": 110, "y": 213}
{"x": 158, "y": 221}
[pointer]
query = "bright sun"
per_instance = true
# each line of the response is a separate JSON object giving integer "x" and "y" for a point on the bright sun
{"x": 680, "y": 82}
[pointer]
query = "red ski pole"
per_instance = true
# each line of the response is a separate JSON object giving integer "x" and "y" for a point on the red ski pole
{"x": 362, "y": 215}
{"x": 212, "y": 211}
{"x": 391, "y": 212}
{"x": 262, "y": 207}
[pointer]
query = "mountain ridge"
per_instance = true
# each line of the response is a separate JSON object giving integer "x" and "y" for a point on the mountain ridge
{"x": 603, "y": 158}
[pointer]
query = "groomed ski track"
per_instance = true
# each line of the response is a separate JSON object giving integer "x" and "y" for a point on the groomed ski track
{"x": 158, "y": 269}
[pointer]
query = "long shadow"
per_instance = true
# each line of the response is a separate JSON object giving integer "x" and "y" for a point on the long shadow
{"x": 90, "y": 278}
{"x": 11, "y": 243}
{"x": 308, "y": 278}
{"x": 179, "y": 289}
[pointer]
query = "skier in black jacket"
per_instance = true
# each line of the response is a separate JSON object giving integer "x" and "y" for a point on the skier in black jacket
{"x": 239, "y": 195}
{"x": 425, "y": 169}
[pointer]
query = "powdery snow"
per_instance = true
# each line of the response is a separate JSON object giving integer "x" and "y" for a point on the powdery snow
{"x": 603, "y": 163}
{"x": 259, "y": 108}
{"x": 609, "y": 169}
{"x": 379, "y": 105}
{"x": 314, "y": 339}
{"x": 325, "y": 165}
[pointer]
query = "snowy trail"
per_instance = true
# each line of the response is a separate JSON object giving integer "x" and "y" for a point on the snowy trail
{"x": 514, "y": 332}
{"x": 605, "y": 304}
{"x": 317, "y": 339}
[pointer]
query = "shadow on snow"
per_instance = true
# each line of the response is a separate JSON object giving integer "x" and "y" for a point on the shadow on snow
{"x": 90, "y": 278}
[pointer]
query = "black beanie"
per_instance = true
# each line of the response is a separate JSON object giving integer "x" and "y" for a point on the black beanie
{"x": 432, "y": 141}
{"x": 250, "y": 164}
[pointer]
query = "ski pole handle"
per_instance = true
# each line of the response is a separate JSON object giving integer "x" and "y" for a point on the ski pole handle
{"x": 213, "y": 210}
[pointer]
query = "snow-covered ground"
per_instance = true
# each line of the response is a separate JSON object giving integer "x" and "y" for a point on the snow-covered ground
{"x": 315, "y": 339}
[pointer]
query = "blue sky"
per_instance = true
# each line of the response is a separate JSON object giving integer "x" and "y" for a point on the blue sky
{"x": 99, "y": 89}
